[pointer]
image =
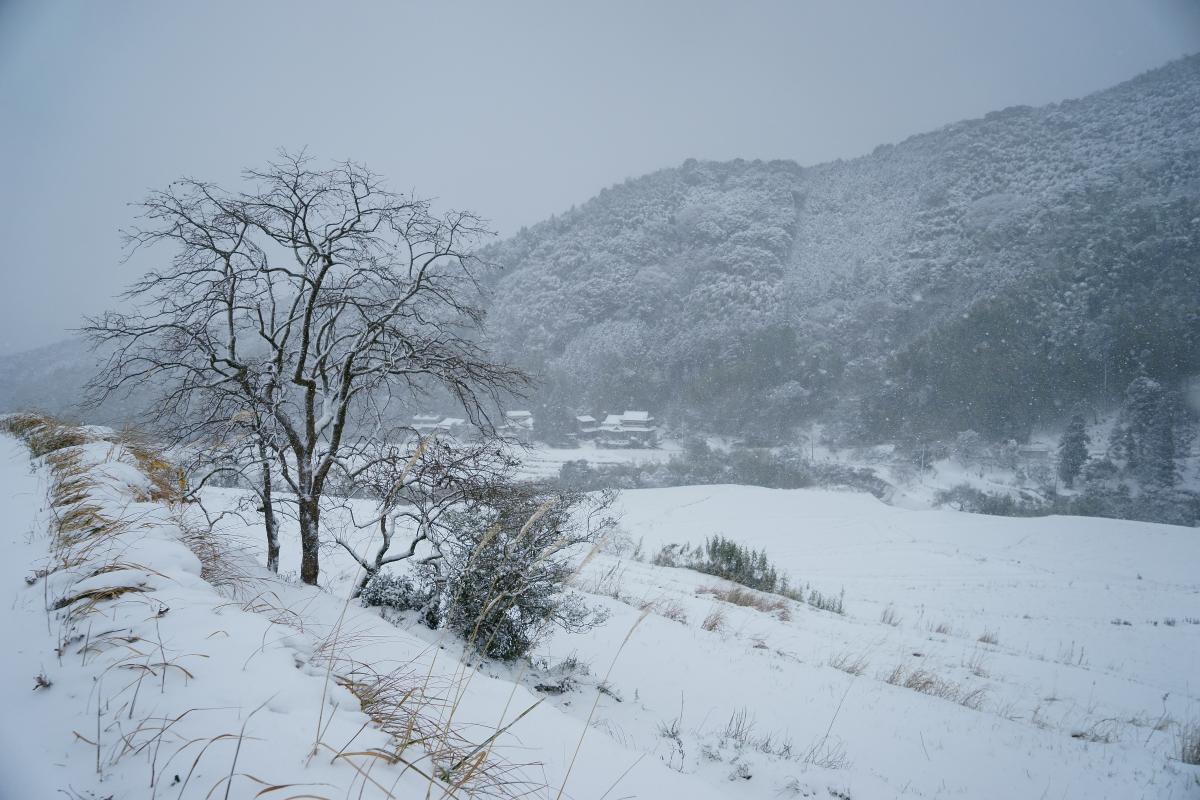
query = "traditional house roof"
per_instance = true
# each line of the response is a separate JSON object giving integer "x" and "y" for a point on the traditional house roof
{"x": 636, "y": 417}
{"x": 585, "y": 419}
{"x": 519, "y": 419}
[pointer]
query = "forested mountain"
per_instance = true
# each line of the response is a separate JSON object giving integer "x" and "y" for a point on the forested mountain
{"x": 987, "y": 275}
{"x": 49, "y": 378}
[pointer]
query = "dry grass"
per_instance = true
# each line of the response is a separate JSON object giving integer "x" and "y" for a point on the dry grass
{"x": 167, "y": 483}
{"x": 42, "y": 434}
{"x": 715, "y": 620}
{"x": 1188, "y": 739}
{"x": 748, "y": 598}
{"x": 23, "y": 424}
{"x": 989, "y": 637}
{"x": 219, "y": 562}
{"x": 93, "y": 597}
{"x": 889, "y": 616}
{"x": 401, "y": 705}
{"x": 668, "y": 609}
{"x": 976, "y": 664}
{"x": 849, "y": 663}
{"x": 52, "y": 438}
{"x": 928, "y": 682}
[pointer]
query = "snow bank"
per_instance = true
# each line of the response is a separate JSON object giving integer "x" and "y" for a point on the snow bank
{"x": 152, "y": 681}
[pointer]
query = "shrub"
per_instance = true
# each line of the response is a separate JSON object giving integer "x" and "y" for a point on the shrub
{"x": 827, "y": 602}
{"x": 727, "y": 559}
{"x": 1100, "y": 497}
{"x": 783, "y": 468}
{"x": 402, "y": 593}
{"x": 1189, "y": 743}
{"x": 500, "y": 577}
{"x": 965, "y": 497}
{"x": 736, "y": 562}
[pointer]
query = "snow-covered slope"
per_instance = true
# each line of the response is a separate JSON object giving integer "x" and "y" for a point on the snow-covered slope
{"x": 1047, "y": 657}
{"x": 149, "y": 680}
{"x": 1081, "y": 635}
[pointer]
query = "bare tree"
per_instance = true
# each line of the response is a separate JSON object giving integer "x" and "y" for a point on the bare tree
{"x": 415, "y": 486}
{"x": 315, "y": 299}
{"x": 241, "y": 456}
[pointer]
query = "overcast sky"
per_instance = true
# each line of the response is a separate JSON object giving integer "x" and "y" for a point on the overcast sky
{"x": 512, "y": 110}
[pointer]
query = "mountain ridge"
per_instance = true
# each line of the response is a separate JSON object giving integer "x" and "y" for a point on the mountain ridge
{"x": 988, "y": 274}
{"x": 824, "y": 279}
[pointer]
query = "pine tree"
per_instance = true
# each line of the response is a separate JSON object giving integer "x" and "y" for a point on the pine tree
{"x": 1147, "y": 431}
{"x": 1073, "y": 450}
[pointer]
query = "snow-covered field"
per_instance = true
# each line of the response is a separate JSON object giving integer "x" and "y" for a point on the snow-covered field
{"x": 542, "y": 461}
{"x": 1070, "y": 644}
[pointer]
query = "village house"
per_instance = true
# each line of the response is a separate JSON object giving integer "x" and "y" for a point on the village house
{"x": 426, "y": 424}
{"x": 630, "y": 429}
{"x": 518, "y": 425}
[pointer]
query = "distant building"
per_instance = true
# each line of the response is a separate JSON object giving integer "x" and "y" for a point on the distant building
{"x": 1035, "y": 453}
{"x": 586, "y": 427}
{"x": 426, "y": 424}
{"x": 518, "y": 425}
{"x": 631, "y": 429}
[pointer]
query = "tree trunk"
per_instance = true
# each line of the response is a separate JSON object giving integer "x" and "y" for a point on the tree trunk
{"x": 370, "y": 571}
{"x": 269, "y": 521}
{"x": 363, "y": 581}
{"x": 310, "y": 515}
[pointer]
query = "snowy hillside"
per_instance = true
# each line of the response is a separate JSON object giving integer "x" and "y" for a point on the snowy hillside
{"x": 986, "y": 276}
{"x": 977, "y": 657}
{"x": 983, "y": 276}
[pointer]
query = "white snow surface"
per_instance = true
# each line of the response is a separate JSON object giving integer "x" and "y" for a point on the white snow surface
{"x": 1093, "y": 630}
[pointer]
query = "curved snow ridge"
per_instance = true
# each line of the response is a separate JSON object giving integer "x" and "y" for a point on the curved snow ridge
{"x": 167, "y": 672}
{"x": 149, "y": 680}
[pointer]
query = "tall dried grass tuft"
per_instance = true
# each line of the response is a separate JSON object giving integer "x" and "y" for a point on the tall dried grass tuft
{"x": 1188, "y": 738}
{"x": 167, "y": 482}
{"x": 748, "y": 598}
{"x": 928, "y": 682}
{"x": 402, "y": 705}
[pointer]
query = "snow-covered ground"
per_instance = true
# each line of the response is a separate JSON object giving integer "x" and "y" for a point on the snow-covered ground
{"x": 543, "y": 461}
{"x": 1070, "y": 645}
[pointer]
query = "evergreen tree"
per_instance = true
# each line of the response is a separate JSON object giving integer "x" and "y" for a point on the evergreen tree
{"x": 1073, "y": 450}
{"x": 1146, "y": 433}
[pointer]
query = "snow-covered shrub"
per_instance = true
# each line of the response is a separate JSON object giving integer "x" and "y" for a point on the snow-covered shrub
{"x": 506, "y": 563}
{"x": 835, "y": 604}
{"x": 726, "y": 559}
{"x": 500, "y": 576}
{"x": 699, "y": 465}
{"x": 403, "y": 594}
{"x": 965, "y": 497}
